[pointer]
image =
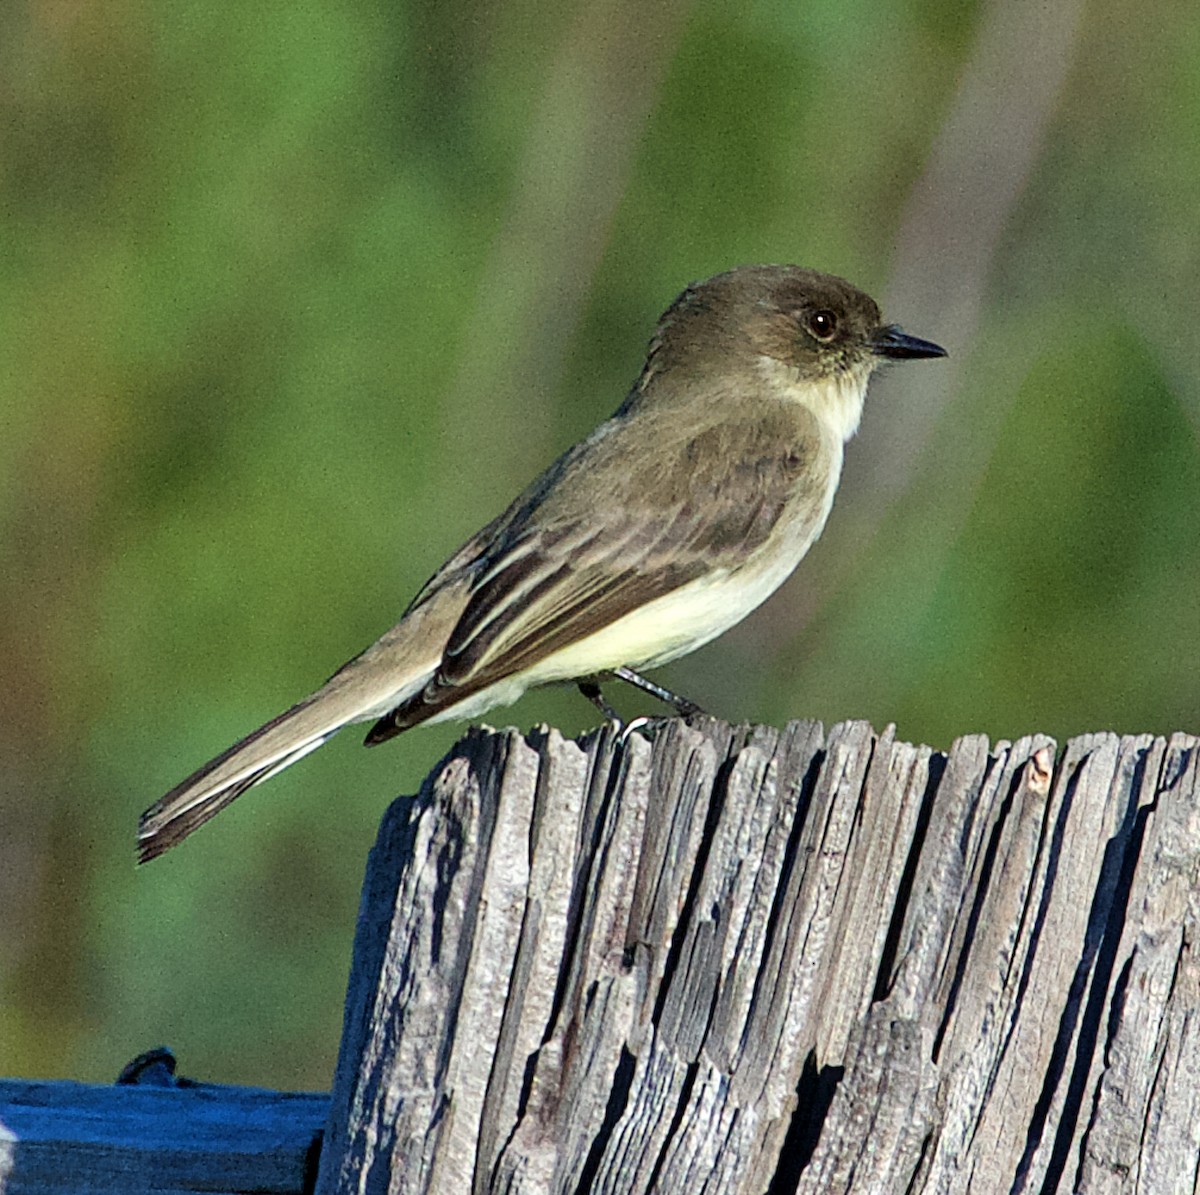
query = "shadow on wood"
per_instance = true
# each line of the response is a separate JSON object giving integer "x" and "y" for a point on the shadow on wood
{"x": 770, "y": 961}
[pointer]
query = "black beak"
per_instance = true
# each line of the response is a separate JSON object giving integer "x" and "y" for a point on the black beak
{"x": 897, "y": 344}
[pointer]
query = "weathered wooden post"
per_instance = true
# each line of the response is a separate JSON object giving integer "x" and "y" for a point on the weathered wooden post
{"x": 771, "y": 961}
{"x": 730, "y": 960}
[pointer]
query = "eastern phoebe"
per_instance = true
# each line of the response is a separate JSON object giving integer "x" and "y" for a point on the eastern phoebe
{"x": 665, "y": 527}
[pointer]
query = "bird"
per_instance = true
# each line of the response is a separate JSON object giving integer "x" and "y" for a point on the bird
{"x": 672, "y": 521}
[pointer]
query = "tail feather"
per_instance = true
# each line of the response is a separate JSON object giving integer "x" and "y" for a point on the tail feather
{"x": 257, "y": 757}
{"x": 207, "y": 791}
{"x": 380, "y": 678}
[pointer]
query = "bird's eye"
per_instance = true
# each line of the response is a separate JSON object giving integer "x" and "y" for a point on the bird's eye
{"x": 822, "y": 324}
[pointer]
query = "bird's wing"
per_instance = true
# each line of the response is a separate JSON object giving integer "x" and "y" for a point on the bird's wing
{"x": 554, "y": 579}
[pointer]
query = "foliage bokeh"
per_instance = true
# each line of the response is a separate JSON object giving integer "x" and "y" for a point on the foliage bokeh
{"x": 295, "y": 296}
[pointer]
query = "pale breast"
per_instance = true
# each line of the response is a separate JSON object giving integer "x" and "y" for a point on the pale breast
{"x": 683, "y": 620}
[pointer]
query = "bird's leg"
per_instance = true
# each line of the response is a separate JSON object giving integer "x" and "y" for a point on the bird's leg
{"x": 590, "y": 688}
{"x": 683, "y": 707}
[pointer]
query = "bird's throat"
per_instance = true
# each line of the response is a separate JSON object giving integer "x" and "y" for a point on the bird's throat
{"x": 836, "y": 399}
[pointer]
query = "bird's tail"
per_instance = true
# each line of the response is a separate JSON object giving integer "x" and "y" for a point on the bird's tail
{"x": 269, "y": 749}
{"x": 389, "y": 672}
{"x": 260, "y": 755}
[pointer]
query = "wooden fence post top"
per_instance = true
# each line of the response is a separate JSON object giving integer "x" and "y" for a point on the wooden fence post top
{"x": 758, "y": 960}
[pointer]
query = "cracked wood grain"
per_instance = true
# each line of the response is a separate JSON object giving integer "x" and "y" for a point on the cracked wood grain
{"x": 759, "y": 960}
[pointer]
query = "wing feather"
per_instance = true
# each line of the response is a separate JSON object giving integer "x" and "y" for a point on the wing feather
{"x": 554, "y": 573}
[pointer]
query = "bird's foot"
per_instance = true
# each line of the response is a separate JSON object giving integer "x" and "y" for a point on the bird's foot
{"x": 590, "y": 688}
{"x": 648, "y": 726}
{"x": 682, "y": 706}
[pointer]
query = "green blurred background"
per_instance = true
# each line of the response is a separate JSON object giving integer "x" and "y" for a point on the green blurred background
{"x": 293, "y": 296}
